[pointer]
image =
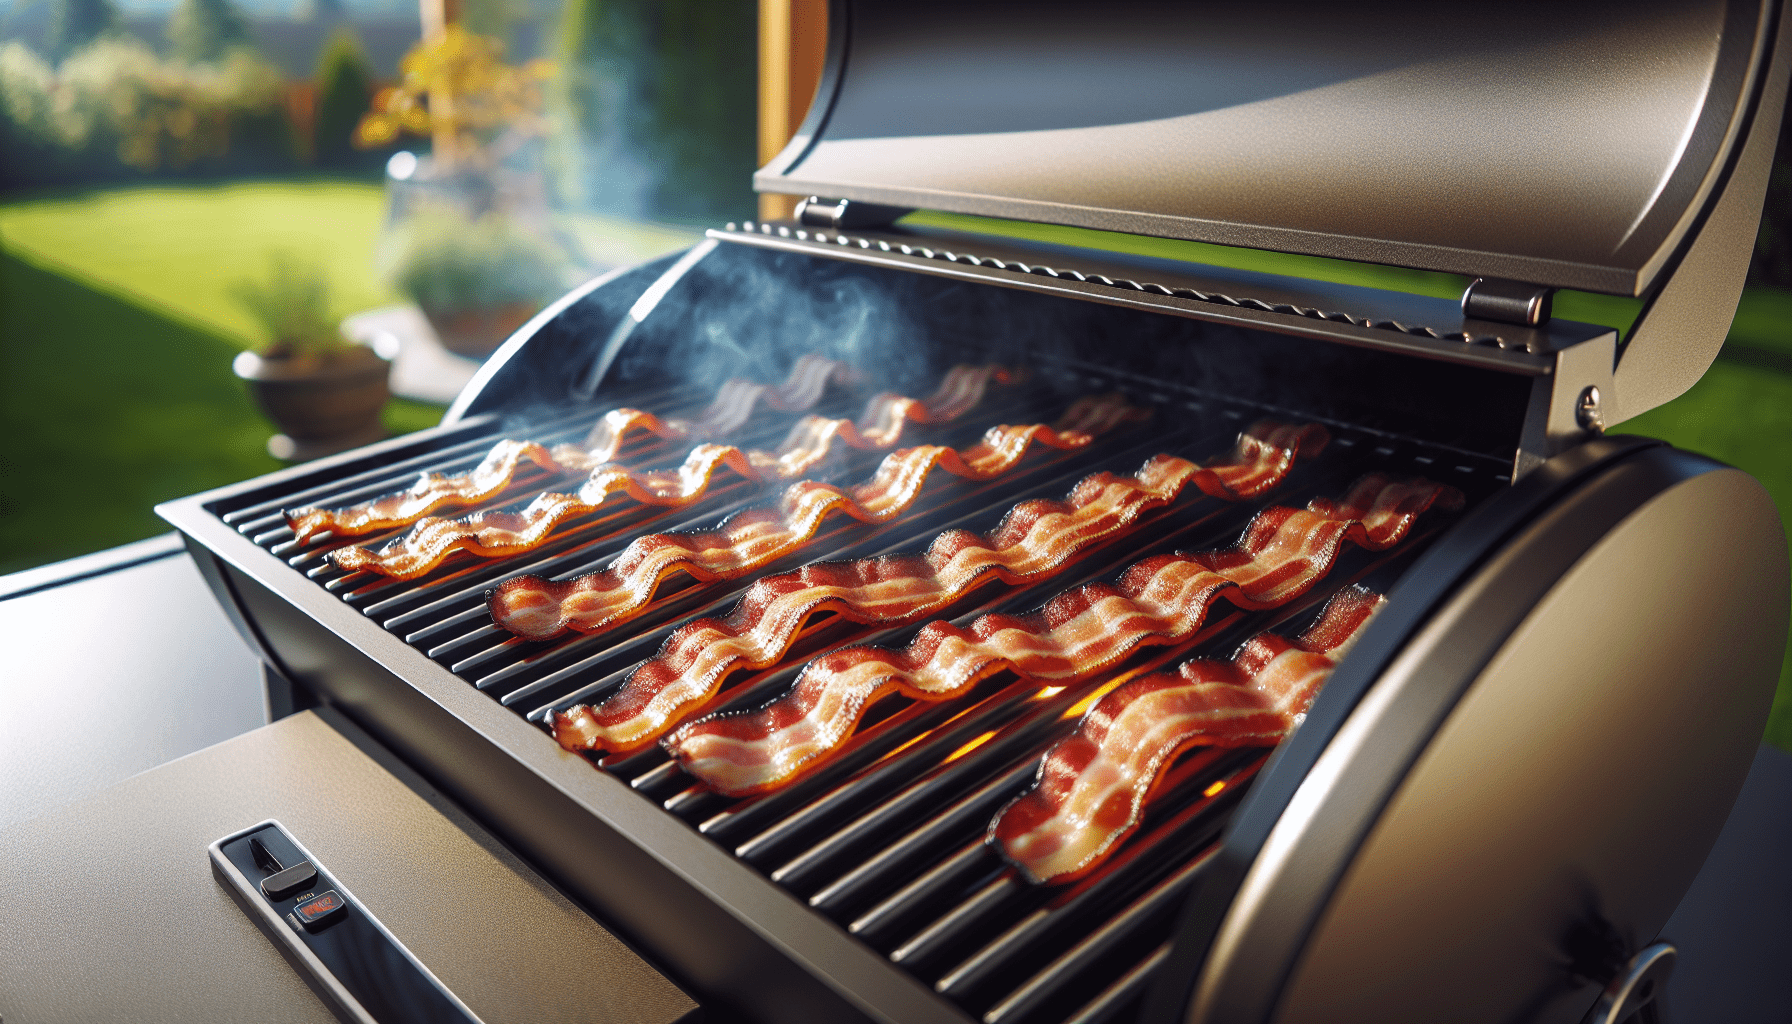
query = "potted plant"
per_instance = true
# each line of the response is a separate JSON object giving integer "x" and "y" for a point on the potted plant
{"x": 474, "y": 248}
{"x": 321, "y": 390}
{"x": 476, "y": 280}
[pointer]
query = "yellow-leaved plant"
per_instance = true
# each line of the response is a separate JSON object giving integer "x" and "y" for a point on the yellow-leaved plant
{"x": 457, "y": 89}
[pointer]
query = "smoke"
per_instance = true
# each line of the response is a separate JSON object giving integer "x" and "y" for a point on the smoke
{"x": 752, "y": 313}
{"x": 746, "y": 311}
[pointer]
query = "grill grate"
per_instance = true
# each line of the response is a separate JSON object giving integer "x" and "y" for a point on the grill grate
{"x": 887, "y": 838}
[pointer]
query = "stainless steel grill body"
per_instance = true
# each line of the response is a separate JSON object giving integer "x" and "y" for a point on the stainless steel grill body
{"x": 1558, "y": 701}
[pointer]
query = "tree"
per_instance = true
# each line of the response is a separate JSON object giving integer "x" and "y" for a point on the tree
{"x": 75, "y": 23}
{"x": 205, "y": 30}
{"x": 588, "y": 141}
{"x": 1772, "y": 265}
{"x": 705, "y": 109}
{"x": 654, "y": 110}
{"x": 344, "y": 92}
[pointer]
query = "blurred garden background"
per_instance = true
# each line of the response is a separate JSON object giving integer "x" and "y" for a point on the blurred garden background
{"x": 182, "y": 181}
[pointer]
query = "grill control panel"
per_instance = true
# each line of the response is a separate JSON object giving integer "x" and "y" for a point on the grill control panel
{"x": 344, "y": 953}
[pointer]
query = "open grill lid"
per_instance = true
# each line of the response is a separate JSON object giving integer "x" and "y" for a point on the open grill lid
{"x": 1573, "y": 148}
{"x": 1567, "y": 147}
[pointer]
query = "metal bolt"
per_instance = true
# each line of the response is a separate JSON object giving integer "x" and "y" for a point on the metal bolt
{"x": 1586, "y": 411}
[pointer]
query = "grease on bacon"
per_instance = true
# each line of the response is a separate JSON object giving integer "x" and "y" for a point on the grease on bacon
{"x": 1161, "y": 600}
{"x": 501, "y": 534}
{"x": 1035, "y": 539}
{"x": 734, "y": 404}
{"x": 538, "y": 609}
{"x": 1091, "y": 789}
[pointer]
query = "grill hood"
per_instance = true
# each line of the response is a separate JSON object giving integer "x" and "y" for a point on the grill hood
{"x": 1570, "y": 148}
{"x": 1617, "y": 151}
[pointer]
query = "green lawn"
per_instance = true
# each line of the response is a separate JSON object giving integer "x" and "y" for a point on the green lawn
{"x": 178, "y": 250}
{"x": 117, "y": 327}
{"x": 116, "y": 333}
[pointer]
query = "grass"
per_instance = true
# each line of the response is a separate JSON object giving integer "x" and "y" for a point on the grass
{"x": 117, "y": 328}
{"x": 178, "y": 250}
{"x": 111, "y": 406}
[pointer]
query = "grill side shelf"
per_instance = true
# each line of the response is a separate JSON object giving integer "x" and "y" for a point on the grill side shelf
{"x": 710, "y": 920}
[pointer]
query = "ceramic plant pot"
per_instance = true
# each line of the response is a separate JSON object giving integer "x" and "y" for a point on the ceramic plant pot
{"x": 475, "y": 333}
{"x": 321, "y": 405}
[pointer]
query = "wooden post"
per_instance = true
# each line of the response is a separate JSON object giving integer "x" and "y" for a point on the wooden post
{"x": 436, "y": 16}
{"x": 793, "y": 42}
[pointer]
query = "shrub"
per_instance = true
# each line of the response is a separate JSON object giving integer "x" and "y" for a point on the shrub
{"x": 116, "y": 109}
{"x": 207, "y": 30}
{"x": 344, "y": 91}
{"x": 448, "y": 264}
{"x": 654, "y": 109}
{"x": 293, "y": 307}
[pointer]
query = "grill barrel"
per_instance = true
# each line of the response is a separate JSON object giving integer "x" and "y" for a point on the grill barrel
{"x": 885, "y": 841}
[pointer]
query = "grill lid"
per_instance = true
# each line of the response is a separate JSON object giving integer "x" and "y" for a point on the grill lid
{"x": 1568, "y": 148}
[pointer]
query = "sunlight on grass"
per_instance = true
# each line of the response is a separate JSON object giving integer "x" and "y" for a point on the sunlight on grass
{"x": 179, "y": 249}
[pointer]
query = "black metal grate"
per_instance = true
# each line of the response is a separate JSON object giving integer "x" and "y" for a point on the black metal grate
{"x": 887, "y": 839}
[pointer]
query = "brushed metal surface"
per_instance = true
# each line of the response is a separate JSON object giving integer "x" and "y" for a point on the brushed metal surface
{"x": 147, "y": 644}
{"x": 742, "y": 944}
{"x": 1570, "y": 150}
{"x": 1681, "y": 332}
{"x": 99, "y": 927}
{"x": 1581, "y": 779}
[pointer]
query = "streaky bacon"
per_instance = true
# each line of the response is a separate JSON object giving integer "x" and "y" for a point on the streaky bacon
{"x": 497, "y": 534}
{"x": 733, "y": 406}
{"x": 1163, "y": 599}
{"x": 1035, "y": 539}
{"x": 538, "y": 609}
{"x": 808, "y": 381}
{"x": 1092, "y": 787}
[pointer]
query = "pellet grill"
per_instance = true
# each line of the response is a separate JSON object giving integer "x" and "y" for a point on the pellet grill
{"x": 1505, "y": 787}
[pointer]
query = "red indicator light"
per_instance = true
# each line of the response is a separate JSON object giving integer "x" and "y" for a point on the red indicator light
{"x": 314, "y": 911}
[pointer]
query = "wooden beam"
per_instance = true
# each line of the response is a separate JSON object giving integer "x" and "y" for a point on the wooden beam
{"x": 793, "y": 42}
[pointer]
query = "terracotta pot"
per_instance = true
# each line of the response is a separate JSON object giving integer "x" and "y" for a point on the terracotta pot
{"x": 475, "y": 333}
{"x": 321, "y": 405}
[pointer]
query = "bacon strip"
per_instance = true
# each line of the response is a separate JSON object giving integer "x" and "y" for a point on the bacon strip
{"x": 733, "y": 406}
{"x": 1035, "y": 539}
{"x": 1092, "y": 788}
{"x": 538, "y": 609}
{"x": 497, "y": 534}
{"x": 1161, "y": 600}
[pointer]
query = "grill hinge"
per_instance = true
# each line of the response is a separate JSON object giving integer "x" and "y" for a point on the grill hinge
{"x": 816, "y": 212}
{"x": 1567, "y": 405}
{"x": 1507, "y": 302}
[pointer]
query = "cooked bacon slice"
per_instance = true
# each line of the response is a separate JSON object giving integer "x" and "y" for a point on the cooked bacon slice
{"x": 1035, "y": 540}
{"x": 501, "y": 534}
{"x": 1161, "y": 600}
{"x": 733, "y": 406}
{"x": 808, "y": 381}
{"x": 538, "y": 609}
{"x": 1092, "y": 788}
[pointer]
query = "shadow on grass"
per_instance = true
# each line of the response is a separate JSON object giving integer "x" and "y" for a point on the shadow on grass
{"x": 109, "y": 408}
